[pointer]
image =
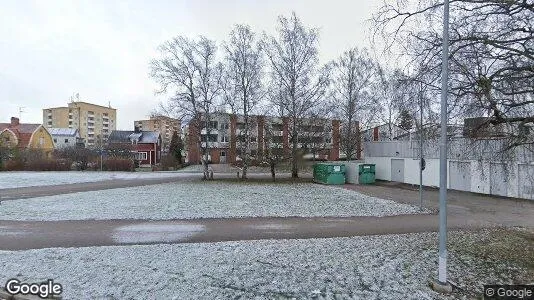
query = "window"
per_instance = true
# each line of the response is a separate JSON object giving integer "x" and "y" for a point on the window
{"x": 41, "y": 141}
{"x": 55, "y": 140}
{"x": 223, "y": 153}
{"x": 140, "y": 156}
{"x": 224, "y": 139}
{"x": 66, "y": 141}
{"x": 277, "y": 127}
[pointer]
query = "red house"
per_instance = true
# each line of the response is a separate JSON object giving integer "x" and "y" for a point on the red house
{"x": 144, "y": 145}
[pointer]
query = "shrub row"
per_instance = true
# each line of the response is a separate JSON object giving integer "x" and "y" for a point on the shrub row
{"x": 111, "y": 164}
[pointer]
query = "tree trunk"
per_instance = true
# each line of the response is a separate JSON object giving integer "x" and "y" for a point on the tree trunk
{"x": 272, "y": 164}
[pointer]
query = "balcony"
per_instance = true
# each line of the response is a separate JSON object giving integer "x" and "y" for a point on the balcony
{"x": 212, "y": 131}
{"x": 216, "y": 144}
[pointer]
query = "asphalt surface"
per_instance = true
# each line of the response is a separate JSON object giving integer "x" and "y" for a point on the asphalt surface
{"x": 22, "y": 235}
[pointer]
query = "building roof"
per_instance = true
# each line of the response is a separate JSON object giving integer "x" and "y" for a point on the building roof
{"x": 23, "y": 131}
{"x": 63, "y": 131}
{"x": 76, "y": 102}
{"x": 126, "y": 136}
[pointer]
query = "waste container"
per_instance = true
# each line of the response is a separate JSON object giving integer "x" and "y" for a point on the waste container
{"x": 352, "y": 169}
{"x": 366, "y": 173}
{"x": 329, "y": 173}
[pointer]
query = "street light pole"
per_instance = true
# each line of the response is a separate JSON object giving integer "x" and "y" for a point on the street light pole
{"x": 421, "y": 147}
{"x": 442, "y": 267}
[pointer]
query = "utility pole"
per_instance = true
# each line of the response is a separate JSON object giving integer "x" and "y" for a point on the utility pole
{"x": 421, "y": 159}
{"x": 441, "y": 284}
{"x": 101, "y": 153}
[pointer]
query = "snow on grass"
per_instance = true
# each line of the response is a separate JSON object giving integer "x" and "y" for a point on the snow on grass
{"x": 25, "y": 179}
{"x": 187, "y": 200}
{"x": 374, "y": 267}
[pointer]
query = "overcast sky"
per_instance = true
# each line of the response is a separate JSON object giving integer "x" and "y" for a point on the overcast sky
{"x": 50, "y": 50}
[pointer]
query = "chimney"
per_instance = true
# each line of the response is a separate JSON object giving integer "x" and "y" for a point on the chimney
{"x": 14, "y": 121}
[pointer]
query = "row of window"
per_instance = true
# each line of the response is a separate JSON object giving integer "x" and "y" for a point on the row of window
{"x": 66, "y": 141}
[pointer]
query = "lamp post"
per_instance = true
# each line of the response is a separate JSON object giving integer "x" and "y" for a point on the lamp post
{"x": 421, "y": 160}
{"x": 441, "y": 284}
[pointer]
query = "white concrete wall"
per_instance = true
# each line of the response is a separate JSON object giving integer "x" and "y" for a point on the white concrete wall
{"x": 59, "y": 141}
{"x": 480, "y": 173}
{"x": 382, "y": 167}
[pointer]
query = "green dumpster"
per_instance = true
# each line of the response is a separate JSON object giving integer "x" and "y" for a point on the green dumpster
{"x": 366, "y": 173}
{"x": 329, "y": 173}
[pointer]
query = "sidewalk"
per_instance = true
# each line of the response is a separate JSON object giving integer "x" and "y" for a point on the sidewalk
{"x": 21, "y": 235}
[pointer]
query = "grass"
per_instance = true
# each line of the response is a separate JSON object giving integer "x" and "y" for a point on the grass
{"x": 511, "y": 246}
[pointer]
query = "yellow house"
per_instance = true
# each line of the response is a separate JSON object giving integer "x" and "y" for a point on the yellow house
{"x": 25, "y": 136}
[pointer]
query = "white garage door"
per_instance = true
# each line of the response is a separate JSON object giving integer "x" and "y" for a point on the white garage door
{"x": 397, "y": 170}
{"x": 498, "y": 180}
{"x": 460, "y": 175}
{"x": 526, "y": 181}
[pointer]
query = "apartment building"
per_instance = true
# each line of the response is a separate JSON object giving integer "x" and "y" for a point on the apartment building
{"x": 225, "y": 137}
{"x": 164, "y": 125}
{"x": 94, "y": 122}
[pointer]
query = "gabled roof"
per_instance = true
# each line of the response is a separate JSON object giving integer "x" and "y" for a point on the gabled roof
{"x": 63, "y": 131}
{"x": 126, "y": 136}
{"x": 21, "y": 128}
{"x": 23, "y": 131}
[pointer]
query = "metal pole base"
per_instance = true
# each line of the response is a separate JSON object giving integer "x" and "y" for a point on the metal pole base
{"x": 440, "y": 287}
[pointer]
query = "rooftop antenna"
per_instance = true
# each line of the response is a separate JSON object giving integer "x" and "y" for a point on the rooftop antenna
{"x": 21, "y": 110}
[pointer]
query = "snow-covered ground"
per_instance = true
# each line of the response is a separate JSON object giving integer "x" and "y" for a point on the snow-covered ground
{"x": 374, "y": 267}
{"x": 25, "y": 179}
{"x": 203, "y": 200}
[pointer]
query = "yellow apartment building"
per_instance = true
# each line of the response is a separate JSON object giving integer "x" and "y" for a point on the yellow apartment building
{"x": 94, "y": 122}
{"x": 162, "y": 124}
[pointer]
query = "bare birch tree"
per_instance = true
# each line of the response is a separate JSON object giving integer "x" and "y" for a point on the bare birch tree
{"x": 188, "y": 71}
{"x": 354, "y": 75}
{"x": 243, "y": 82}
{"x": 294, "y": 64}
{"x": 491, "y": 56}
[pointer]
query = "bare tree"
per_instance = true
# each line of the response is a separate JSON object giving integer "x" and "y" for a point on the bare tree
{"x": 188, "y": 70}
{"x": 491, "y": 56}
{"x": 354, "y": 75}
{"x": 209, "y": 88}
{"x": 294, "y": 63}
{"x": 243, "y": 81}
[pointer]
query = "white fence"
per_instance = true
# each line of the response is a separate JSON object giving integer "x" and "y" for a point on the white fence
{"x": 461, "y": 148}
{"x": 474, "y": 167}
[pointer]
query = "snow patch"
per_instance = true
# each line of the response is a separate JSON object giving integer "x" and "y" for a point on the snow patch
{"x": 155, "y": 232}
{"x": 27, "y": 179}
{"x": 191, "y": 200}
{"x": 372, "y": 267}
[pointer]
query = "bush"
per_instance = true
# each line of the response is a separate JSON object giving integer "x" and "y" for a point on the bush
{"x": 168, "y": 161}
{"x": 13, "y": 165}
{"x": 47, "y": 165}
{"x": 118, "y": 164}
